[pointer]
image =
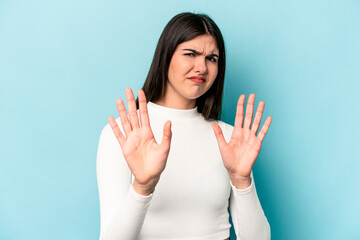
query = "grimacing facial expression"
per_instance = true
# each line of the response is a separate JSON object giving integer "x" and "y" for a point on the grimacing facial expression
{"x": 193, "y": 67}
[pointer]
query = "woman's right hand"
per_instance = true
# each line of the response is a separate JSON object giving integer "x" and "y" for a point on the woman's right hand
{"x": 144, "y": 156}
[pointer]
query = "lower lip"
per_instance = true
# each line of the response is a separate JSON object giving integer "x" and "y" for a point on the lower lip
{"x": 196, "y": 80}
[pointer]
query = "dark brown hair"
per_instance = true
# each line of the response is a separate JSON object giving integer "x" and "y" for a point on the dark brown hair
{"x": 181, "y": 28}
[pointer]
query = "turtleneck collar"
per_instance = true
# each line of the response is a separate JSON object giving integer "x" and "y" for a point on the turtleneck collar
{"x": 172, "y": 113}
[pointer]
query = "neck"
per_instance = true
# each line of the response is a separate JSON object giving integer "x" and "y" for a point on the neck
{"x": 177, "y": 104}
{"x": 173, "y": 114}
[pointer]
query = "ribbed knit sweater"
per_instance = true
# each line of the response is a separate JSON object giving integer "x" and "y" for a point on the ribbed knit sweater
{"x": 191, "y": 199}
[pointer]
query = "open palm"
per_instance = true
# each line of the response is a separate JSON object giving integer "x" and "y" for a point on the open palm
{"x": 144, "y": 156}
{"x": 239, "y": 155}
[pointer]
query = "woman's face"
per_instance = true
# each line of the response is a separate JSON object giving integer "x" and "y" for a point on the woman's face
{"x": 192, "y": 70}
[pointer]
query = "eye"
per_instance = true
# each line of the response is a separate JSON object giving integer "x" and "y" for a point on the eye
{"x": 189, "y": 54}
{"x": 212, "y": 59}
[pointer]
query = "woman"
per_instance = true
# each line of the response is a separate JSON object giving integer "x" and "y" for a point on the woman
{"x": 173, "y": 175}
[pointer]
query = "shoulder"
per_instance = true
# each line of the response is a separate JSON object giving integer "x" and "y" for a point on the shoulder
{"x": 107, "y": 132}
{"x": 226, "y": 128}
{"x": 108, "y": 144}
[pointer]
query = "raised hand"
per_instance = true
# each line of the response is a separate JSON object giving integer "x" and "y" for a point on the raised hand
{"x": 144, "y": 156}
{"x": 239, "y": 155}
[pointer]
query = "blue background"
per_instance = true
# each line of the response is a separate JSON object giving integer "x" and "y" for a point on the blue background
{"x": 64, "y": 63}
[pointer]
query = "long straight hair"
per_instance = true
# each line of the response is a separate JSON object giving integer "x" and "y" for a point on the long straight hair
{"x": 181, "y": 28}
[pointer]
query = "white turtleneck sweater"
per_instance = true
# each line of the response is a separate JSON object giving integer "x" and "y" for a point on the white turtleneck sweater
{"x": 191, "y": 199}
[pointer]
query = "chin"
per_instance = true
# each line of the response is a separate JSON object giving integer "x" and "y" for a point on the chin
{"x": 195, "y": 95}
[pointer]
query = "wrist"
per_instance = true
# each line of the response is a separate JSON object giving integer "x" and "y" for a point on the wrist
{"x": 240, "y": 182}
{"x": 143, "y": 189}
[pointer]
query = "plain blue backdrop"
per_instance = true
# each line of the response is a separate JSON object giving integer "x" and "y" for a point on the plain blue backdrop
{"x": 64, "y": 63}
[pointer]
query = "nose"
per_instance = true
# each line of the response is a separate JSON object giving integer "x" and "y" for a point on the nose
{"x": 200, "y": 66}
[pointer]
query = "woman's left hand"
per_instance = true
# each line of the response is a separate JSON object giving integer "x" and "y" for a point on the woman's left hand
{"x": 239, "y": 155}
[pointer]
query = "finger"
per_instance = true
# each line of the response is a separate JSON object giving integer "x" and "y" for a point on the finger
{"x": 144, "y": 116}
{"x": 123, "y": 116}
{"x": 115, "y": 127}
{"x": 249, "y": 111}
{"x": 264, "y": 129}
{"x": 166, "y": 140}
{"x": 258, "y": 115}
{"x": 219, "y": 135}
{"x": 240, "y": 112}
{"x": 134, "y": 120}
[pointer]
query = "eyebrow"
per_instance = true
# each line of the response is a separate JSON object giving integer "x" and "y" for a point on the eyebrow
{"x": 199, "y": 53}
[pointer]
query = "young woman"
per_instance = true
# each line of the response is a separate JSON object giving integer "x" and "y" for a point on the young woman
{"x": 170, "y": 168}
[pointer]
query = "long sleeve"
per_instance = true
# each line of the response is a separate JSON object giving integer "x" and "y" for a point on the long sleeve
{"x": 250, "y": 222}
{"x": 122, "y": 210}
{"x": 186, "y": 204}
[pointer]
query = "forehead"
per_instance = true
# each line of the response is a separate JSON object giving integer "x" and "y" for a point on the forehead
{"x": 203, "y": 43}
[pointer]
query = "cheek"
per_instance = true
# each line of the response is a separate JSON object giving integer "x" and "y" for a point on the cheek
{"x": 182, "y": 65}
{"x": 214, "y": 71}
{"x": 173, "y": 69}
{"x": 213, "y": 75}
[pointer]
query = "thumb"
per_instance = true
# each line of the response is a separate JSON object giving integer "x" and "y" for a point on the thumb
{"x": 219, "y": 136}
{"x": 166, "y": 140}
